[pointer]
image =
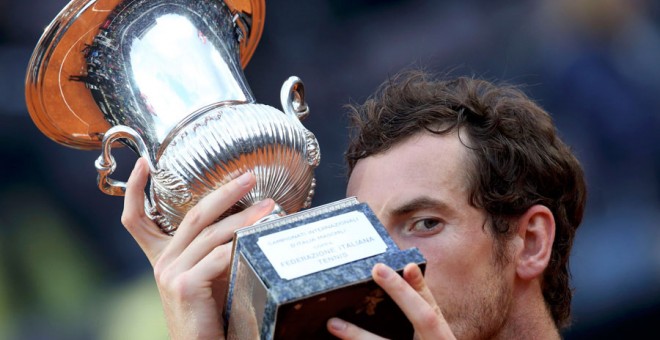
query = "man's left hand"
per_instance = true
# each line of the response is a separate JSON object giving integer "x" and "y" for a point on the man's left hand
{"x": 412, "y": 295}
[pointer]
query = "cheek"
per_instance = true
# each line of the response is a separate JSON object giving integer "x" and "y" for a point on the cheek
{"x": 453, "y": 266}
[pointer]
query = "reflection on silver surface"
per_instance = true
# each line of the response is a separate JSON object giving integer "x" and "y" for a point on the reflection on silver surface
{"x": 155, "y": 62}
{"x": 168, "y": 91}
{"x": 166, "y": 78}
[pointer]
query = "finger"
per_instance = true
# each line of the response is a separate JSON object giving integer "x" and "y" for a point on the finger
{"x": 147, "y": 234}
{"x": 214, "y": 266}
{"x": 347, "y": 330}
{"x": 413, "y": 275}
{"x": 220, "y": 233}
{"x": 207, "y": 210}
{"x": 425, "y": 317}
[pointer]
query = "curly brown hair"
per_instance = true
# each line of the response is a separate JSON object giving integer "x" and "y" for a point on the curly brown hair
{"x": 518, "y": 158}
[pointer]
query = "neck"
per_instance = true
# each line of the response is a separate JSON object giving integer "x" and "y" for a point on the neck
{"x": 529, "y": 318}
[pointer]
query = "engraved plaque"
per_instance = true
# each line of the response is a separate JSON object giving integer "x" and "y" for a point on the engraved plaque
{"x": 291, "y": 274}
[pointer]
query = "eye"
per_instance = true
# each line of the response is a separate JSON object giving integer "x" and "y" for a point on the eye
{"x": 426, "y": 226}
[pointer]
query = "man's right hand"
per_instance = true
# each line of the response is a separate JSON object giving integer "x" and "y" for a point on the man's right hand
{"x": 191, "y": 268}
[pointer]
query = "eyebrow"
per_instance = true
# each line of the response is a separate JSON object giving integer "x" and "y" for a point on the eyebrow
{"x": 421, "y": 203}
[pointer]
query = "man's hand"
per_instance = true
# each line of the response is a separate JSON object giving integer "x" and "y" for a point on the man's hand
{"x": 414, "y": 298}
{"x": 191, "y": 267}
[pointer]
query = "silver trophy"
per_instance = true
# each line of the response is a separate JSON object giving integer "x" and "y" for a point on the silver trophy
{"x": 165, "y": 78}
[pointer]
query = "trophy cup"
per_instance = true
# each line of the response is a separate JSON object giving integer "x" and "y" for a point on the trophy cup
{"x": 164, "y": 77}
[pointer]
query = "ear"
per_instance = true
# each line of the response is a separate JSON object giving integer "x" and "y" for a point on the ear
{"x": 536, "y": 229}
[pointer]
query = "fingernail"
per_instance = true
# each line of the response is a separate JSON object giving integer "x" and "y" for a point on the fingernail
{"x": 383, "y": 271}
{"x": 138, "y": 166}
{"x": 337, "y": 324}
{"x": 244, "y": 179}
{"x": 263, "y": 203}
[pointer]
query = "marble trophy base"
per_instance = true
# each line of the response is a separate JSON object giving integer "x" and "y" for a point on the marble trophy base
{"x": 290, "y": 275}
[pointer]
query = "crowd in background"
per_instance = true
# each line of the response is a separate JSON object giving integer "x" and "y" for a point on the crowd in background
{"x": 68, "y": 269}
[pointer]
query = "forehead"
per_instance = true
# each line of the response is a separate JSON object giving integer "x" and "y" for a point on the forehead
{"x": 424, "y": 164}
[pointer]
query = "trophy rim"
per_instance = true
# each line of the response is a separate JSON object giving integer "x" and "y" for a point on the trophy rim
{"x": 65, "y": 110}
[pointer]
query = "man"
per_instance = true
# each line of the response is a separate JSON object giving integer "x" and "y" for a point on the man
{"x": 471, "y": 173}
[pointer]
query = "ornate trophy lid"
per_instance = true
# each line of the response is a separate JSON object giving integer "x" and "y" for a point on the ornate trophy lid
{"x": 65, "y": 110}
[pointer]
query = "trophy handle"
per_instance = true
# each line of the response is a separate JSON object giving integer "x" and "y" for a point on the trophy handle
{"x": 292, "y": 96}
{"x": 106, "y": 165}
